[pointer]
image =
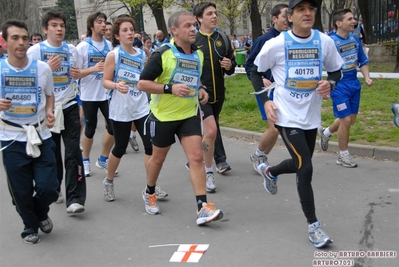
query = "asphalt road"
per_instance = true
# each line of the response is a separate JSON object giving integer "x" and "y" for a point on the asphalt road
{"x": 359, "y": 209}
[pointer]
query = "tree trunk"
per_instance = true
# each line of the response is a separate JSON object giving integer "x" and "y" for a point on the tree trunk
{"x": 232, "y": 26}
{"x": 318, "y": 23}
{"x": 339, "y": 4}
{"x": 364, "y": 10}
{"x": 157, "y": 11}
{"x": 256, "y": 20}
{"x": 396, "y": 69}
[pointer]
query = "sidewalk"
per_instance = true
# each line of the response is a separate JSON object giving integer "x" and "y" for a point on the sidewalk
{"x": 380, "y": 153}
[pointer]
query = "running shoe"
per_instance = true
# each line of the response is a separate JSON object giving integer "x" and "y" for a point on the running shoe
{"x": 317, "y": 236}
{"x": 60, "y": 198}
{"x": 257, "y": 160}
{"x": 150, "y": 202}
{"x": 210, "y": 182}
{"x": 346, "y": 161}
{"x": 109, "y": 193}
{"x": 269, "y": 183}
{"x": 104, "y": 165}
{"x": 223, "y": 167}
{"x": 133, "y": 143}
{"x": 75, "y": 208}
{"x": 395, "y": 111}
{"x": 86, "y": 167}
{"x": 160, "y": 193}
{"x": 208, "y": 213}
{"x": 46, "y": 226}
{"x": 32, "y": 239}
{"x": 323, "y": 142}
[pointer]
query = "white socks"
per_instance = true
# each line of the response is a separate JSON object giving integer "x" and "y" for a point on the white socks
{"x": 260, "y": 152}
{"x": 327, "y": 132}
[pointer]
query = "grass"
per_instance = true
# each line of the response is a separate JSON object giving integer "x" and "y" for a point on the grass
{"x": 373, "y": 126}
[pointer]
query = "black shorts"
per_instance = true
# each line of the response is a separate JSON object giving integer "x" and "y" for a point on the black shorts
{"x": 163, "y": 133}
{"x": 212, "y": 110}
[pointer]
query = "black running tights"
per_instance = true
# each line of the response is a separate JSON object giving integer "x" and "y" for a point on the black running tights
{"x": 300, "y": 144}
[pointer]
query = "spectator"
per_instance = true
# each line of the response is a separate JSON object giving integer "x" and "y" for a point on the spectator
{"x": 36, "y": 38}
{"x": 234, "y": 41}
{"x": 3, "y": 50}
{"x": 160, "y": 38}
{"x": 244, "y": 44}
{"x": 147, "y": 46}
{"x": 108, "y": 31}
{"x": 249, "y": 38}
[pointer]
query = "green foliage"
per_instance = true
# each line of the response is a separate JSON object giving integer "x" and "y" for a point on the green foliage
{"x": 374, "y": 125}
{"x": 231, "y": 10}
{"x": 67, "y": 7}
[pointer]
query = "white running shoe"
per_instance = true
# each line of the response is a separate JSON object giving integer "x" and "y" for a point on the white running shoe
{"x": 133, "y": 143}
{"x": 210, "y": 183}
{"x": 346, "y": 161}
{"x": 257, "y": 160}
{"x": 150, "y": 202}
{"x": 160, "y": 193}
{"x": 60, "y": 198}
{"x": 104, "y": 166}
{"x": 75, "y": 208}
{"x": 323, "y": 138}
{"x": 317, "y": 236}
{"x": 109, "y": 193}
{"x": 86, "y": 167}
{"x": 208, "y": 213}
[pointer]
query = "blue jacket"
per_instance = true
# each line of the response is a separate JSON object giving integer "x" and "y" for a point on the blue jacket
{"x": 255, "y": 49}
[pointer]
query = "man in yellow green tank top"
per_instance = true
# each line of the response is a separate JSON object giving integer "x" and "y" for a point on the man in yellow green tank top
{"x": 173, "y": 78}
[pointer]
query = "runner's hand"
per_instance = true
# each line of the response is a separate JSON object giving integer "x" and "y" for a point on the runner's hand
{"x": 5, "y": 104}
{"x": 54, "y": 62}
{"x": 270, "y": 107}
{"x": 180, "y": 89}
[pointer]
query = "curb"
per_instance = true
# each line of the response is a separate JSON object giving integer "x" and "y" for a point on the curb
{"x": 380, "y": 153}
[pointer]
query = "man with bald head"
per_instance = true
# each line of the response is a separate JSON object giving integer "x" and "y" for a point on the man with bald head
{"x": 160, "y": 38}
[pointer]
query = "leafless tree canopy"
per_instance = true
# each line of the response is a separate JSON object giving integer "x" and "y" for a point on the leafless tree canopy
{"x": 25, "y": 10}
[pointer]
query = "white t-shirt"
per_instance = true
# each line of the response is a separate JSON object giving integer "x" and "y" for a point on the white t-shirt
{"x": 297, "y": 110}
{"x": 60, "y": 92}
{"x": 45, "y": 87}
{"x": 91, "y": 86}
{"x": 236, "y": 43}
{"x": 130, "y": 106}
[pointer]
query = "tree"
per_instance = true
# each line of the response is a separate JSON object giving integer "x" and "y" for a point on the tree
{"x": 396, "y": 68}
{"x": 13, "y": 10}
{"x": 24, "y": 10}
{"x": 67, "y": 7}
{"x": 135, "y": 7}
{"x": 256, "y": 20}
{"x": 330, "y": 6}
{"x": 318, "y": 23}
{"x": 157, "y": 10}
{"x": 231, "y": 10}
{"x": 364, "y": 10}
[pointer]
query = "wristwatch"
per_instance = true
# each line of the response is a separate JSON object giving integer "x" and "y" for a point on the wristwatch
{"x": 202, "y": 87}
